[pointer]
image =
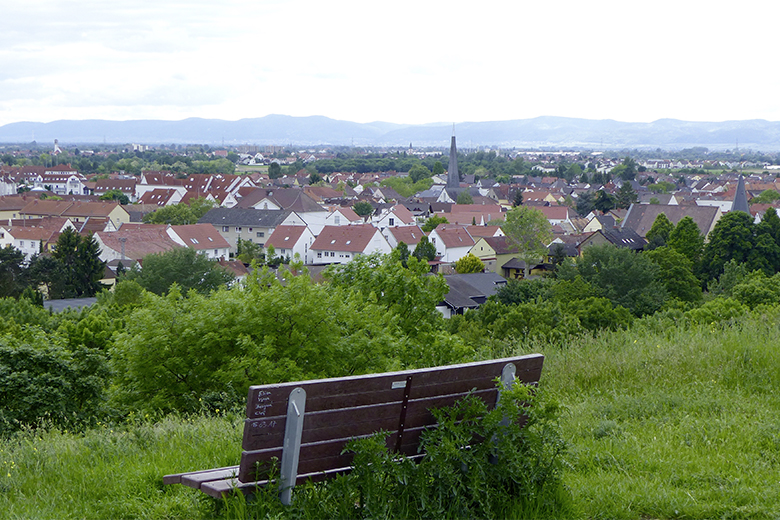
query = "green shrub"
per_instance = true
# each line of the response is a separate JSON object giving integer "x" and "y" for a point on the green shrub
{"x": 477, "y": 464}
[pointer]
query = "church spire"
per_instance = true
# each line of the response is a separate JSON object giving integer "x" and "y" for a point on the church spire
{"x": 453, "y": 178}
{"x": 740, "y": 198}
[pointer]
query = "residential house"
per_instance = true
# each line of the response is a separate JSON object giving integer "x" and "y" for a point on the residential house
{"x": 203, "y": 238}
{"x": 289, "y": 241}
{"x": 254, "y": 225}
{"x": 468, "y": 291}
{"x": 452, "y": 243}
{"x": 340, "y": 244}
{"x": 77, "y": 211}
{"x": 640, "y": 217}
{"x": 133, "y": 242}
{"x": 125, "y": 186}
{"x": 495, "y": 252}
{"x": 394, "y": 216}
{"x": 409, "y": 235}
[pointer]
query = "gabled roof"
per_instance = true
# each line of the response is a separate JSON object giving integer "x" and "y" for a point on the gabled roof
{"x": 501, "y": 245}
{"x": 640, "y": 217}
{"x": 139, "y": 240}
{"x": 455, "y": 237}
{"x": 469, "y": 291}
{"x": 244, "y": 217}
{"x": 295, "y": 200}
{"x": 354, "y": 239}
{"x": 409, "y": 235}
{"x": 284, "y": 237}
{"x": 158, "y": 196}
{"x": 126, "y": 186}
{"x": 200, "y": 236}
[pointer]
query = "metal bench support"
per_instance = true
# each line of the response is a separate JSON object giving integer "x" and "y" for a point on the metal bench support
{"x": 296, "y": 408}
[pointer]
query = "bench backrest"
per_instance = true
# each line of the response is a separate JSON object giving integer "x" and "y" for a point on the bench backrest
{"x": 333, "y": 411}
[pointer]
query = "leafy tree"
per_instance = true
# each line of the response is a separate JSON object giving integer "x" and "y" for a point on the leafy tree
{"x": 770, "y": 224}
{"x": 529, "y": 230}
{"x": 661, "y": 187}
{"x": 604, "y": 201}
{"x": 175, "y": 351}
{"x": 13, "y": 275}
{"x": 731, "y": 239}
{"x": 314, "y": 178}
{"x": 676, "y": 274}
{"x": 766, "y": 197}
{"x": 363, "y": 208}
{"x": 586, "y": 203}
{"x": 464, "y": 197}
{"x": 425, "y": 250}
{"x": 626, "y": 278}
{"x": 438, "y": 168}
{"x": 524, "y": 291}
{"x": 115, "y": 195}
{"x": 686, "y": 238}
{"x": 402, "y": 252}
{"x": 81, "y": 267}
{"x": 433, "y": 221}
{"x": 419, "y": 172}
{"x": 274, "y": 170}
{"x": 408, "y": 292}
{"x": 659, "y": 232}
{"x": 183, "y": 266}
{"x": 469, "y": 264}
{"x": 654, "y": 200}
{"x": 180, "y": 214}
{"x": 626, "y": 195}
{"x": 248, "y": 251}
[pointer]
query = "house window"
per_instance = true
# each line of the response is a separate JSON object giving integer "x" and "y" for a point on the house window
{"x": 216, "y": 251}
{"x": 337, "y": 220}
{"x": 250, "y": 230}
{"x": 21, "y": 243}
{"x": 225, "y": 229}
{"x": 260, "y": 234}
{"x": 392, "y": 222}
{"x": 238, "y": 229}
{"x": 332, "y": 254}
{"x": 319, "y": 254}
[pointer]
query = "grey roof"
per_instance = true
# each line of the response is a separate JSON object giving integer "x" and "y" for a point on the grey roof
{"x": 468, "y": 291}
{"x": 244, "y": 217}
{"x": 70, "y": 303}
{"x": 740, "y": 198}
{"x": 624, "y": 238}
{"x": 640, "y": 217}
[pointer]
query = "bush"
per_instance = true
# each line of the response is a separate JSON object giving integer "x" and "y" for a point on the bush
{"x": 477, "y": 464}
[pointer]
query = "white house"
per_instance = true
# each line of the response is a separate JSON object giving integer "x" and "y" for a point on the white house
{"x": 204, "y": 238}
{"x": 340, "y": 244}
{"x": 452, "y": 243}
{"x": 289, "y": 241}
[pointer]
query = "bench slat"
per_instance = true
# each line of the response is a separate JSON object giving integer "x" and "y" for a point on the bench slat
{"x": 176, "y": 478}
{"x": 196, "y": 480}
{"x": 271, "y": 400}
{"x": 328, "y": 424}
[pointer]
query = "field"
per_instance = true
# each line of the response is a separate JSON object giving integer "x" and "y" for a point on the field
{"x": 662, "y": 421}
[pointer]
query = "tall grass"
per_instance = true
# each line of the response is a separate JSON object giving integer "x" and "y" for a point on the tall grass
{"x": 663, "y": 421}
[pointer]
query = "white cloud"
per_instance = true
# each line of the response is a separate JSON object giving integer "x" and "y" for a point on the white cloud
{"x": 405, "y": 61}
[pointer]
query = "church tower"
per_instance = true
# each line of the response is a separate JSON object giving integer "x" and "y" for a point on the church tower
{"x": 453, "y": 178}
{"x": 740, "y": 197}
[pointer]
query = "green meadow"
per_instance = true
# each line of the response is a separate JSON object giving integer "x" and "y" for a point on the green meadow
{"x": 664, "y": 420}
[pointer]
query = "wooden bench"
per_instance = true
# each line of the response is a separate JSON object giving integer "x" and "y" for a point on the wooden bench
{"x": 306, "y": 424}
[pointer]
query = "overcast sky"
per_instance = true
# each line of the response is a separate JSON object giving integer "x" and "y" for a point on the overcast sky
{"x": 402, "y": 61}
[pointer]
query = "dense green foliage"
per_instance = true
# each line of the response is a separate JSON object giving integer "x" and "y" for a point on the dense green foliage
{"x": 180, "y": 214}
{"x": 183, "y": 266}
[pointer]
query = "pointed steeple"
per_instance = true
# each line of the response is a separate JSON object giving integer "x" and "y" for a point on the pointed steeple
{"x": 740, "y": 198}
{"x": 453, "y": 178}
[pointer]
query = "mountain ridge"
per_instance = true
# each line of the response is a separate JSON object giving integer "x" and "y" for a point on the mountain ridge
{"x": 278, "y": 129}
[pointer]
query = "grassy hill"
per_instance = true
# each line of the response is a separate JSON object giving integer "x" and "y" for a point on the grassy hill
{"x": 662, "y": 421}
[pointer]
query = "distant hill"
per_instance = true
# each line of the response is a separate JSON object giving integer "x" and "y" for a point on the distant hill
{"x": 552, "y": 132}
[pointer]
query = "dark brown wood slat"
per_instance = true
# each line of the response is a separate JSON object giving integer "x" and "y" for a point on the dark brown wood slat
{"x": 329, "y": 424}
{"x": 195, "y": 480}
{"x": 271, "y": 400}
{"x": 176, "y": 477}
